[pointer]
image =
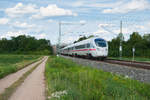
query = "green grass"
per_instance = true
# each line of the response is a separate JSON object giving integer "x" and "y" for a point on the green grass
{"x": 130, "y": 59}
{"x": 13, "y": 63}
{"x": 69, "y": 81}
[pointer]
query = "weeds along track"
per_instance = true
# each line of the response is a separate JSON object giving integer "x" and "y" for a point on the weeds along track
{"x": 144, "y": 65}
{"x": 140, "y": 74}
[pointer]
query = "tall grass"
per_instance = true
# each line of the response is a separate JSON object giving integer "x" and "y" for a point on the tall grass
{"x": 12, "y": 63}
{"x": 69, "y": 81}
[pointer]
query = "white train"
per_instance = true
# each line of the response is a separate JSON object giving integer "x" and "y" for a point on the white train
{"x": 93, "y": 48}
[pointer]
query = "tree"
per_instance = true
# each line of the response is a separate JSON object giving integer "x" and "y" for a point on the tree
{"x": 135, "y": 38}
{"x": 120, "y": 37}
{"x": 25, "y": 45}
{"x": 141, "y": 44}
{"x": 115, "y": 44}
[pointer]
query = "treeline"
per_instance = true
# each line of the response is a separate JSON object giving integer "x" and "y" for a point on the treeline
{"x": 25, "y": 45}
{"x": 140, "y": 43}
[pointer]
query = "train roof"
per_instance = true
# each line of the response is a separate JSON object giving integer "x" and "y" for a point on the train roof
{"x": 83, "y": 42}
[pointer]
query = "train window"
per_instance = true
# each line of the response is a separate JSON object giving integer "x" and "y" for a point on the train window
{"x": 80, "y": 47}
{"x": 70, "y": 49}
{"x": 100, "y": 42}
{"x": 88, "y": 45}
{"x": 76, "y": 47}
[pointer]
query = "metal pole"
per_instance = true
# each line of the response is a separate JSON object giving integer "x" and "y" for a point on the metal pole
{"x": 121, "y": 39}
{"x": 133, "y": 51}
{"x": 121, "y": 26}
{"x": 59, "y": 39}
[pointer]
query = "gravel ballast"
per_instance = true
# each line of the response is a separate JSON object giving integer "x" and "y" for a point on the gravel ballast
{"x": 142, "y": 75}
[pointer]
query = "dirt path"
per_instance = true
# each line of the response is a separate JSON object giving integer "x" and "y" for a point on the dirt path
{"x": 33, "y": 88}
{"x": 10, "y": 79}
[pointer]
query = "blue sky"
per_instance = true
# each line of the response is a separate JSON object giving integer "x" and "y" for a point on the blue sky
{"x": 40, "y": 18}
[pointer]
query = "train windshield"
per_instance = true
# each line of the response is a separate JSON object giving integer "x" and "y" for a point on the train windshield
{"x": 100, "y": 42}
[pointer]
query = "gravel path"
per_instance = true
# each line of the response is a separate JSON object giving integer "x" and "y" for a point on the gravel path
{"x": 10, "y": 79}
{"x": 33, "y": 88}
{"x": 142, "y": 75}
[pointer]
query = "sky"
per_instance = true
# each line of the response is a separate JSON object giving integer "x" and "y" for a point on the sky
{"x": 40, "y": 18}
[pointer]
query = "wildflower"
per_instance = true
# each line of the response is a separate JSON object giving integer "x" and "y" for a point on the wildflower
{"x": 126, "y": 76}
{"x": 58, "y": 94}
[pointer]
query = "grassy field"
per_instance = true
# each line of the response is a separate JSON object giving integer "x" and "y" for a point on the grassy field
{"x": 130, "y": 59}
{"x": 12, "y": 63}
{"x": 69, "y": 81}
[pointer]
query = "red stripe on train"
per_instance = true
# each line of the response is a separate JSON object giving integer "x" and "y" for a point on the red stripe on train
{"x": 85, "y": 50}
{"x": 92, "y": 49}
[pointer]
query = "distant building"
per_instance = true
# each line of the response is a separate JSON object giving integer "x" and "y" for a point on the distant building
{"x": 54, "y": 49}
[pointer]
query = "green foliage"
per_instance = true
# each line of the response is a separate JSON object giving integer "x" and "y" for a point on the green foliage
{"x": 12, "y": 63}
{"x": 120, "y": 37}
{"x": 25, "y": 45}
{"x": 140, "y": 43}
{"x": 86, "y": 83}
{"x": 83, "y": 38}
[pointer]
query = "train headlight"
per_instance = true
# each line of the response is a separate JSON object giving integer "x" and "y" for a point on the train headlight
{"x": 98, "y": 49}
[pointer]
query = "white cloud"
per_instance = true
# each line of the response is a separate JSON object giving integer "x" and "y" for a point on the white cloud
{"x": 139, "y": 27}
{"x": 12, "y": 34}
{"x": 148, "y": 23}
{"x": 142, "y": 28}
{"x": 40, "y": 36}
{"x": 77, "y": 4}
{"x": 50, "y": 20}
{"x": 105, "y": 25}
{"x": 82, "y": 22}
{"x": 109, "y": 32}
{"x": 105, "y": 5}
{"x": 17, "y": 33}
{"x": 22, "y": 25}
{"x": 4, "y": 21}
{"x": 100, "y": 30}
{"x": 53, "y": 10}
{"x": 104, "y": 34}
{"x": 133, "y": 5}
{"x": 20, "y": 10}
{"x": 69, "y": 39}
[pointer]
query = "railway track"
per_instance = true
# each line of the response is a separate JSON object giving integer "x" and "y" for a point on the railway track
{"x": 134, "y": 71}
{"x": 144, "y": 65}
{"x": 136, "y": 64}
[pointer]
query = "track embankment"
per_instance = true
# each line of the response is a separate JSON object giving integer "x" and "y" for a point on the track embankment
{"x": 142, "y": 75}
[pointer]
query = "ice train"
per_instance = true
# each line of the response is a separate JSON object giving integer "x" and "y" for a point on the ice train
{"x": 94, "y": 47}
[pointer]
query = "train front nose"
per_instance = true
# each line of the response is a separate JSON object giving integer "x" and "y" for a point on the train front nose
{"x": 102, "y": 51}
{"x": 101, "y": 47}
